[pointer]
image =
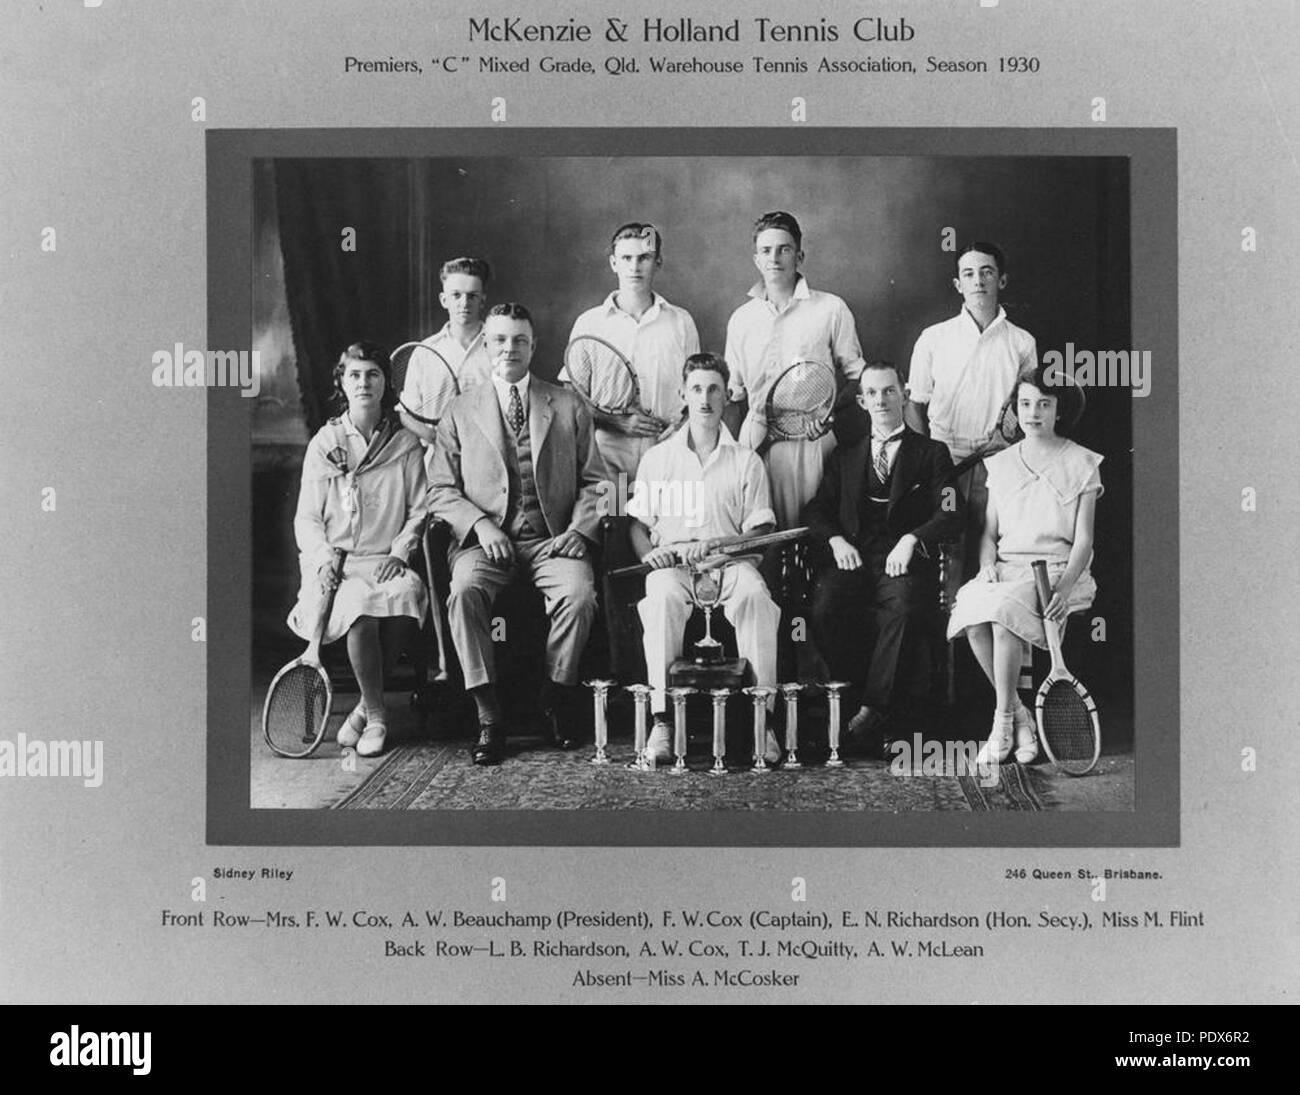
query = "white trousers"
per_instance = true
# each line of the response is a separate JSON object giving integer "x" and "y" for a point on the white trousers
{"x": 745, "y": 603}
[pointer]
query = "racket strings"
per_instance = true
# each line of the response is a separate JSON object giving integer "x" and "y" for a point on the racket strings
{"x": 802, "y": 396}
{"x": 1067, "y": 723}
{"x": 601, "y": 373}
{"x": 296, "y": 709}
{"x": 438, "y": 384}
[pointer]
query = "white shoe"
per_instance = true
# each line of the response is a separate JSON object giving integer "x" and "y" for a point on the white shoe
{"x": 658, "y": 749}
{"x": 1026, "y": 734}
{"x": 372, "y": 741}
{"x": 998, "y": 747}
{"x": 353, "y": 727}
{"x": 771, "y": 748}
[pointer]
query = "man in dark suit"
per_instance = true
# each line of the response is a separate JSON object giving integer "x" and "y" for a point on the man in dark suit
{"x": 517, "y": 475}
{"x": 883, "y": 505}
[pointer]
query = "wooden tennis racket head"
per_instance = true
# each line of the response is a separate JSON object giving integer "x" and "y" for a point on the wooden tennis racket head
{"x": 438, "y": 383}
{"x": 297, "y": 709}
{"x": 800, "y": 401}
{"x": 297, "y": 706}
{"x": 1068, "y": 726}
{"x": 601, "y": 372}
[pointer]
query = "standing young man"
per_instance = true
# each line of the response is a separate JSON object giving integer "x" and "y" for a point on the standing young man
{"x": 693, "y": 489}
{"x": 784, "y": 320}
{"x": 654, "y": 335}
{"x": 464, "y": 297}
{"x": 963, "y": 370}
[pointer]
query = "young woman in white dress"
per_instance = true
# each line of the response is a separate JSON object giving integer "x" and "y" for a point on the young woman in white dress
{"x": 1043, "y": 495}
{"x": 363, "y": 491}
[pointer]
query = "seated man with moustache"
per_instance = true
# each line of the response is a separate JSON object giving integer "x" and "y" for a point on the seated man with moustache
{"x": 883, "y": 506}
{"x": 694, "y": 489}
{"x": 517, "y": 476}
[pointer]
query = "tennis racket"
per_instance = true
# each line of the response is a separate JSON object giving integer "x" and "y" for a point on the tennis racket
{"x": 438, "y": 385}
{"x": 298, "y": 701}
{"x": 1068, "y": 725}
{"x": 800, "y": 402}
{"x": 600, "y": 371}
{"x": 725, "y": 549}
{"x": 1006, "y": 432}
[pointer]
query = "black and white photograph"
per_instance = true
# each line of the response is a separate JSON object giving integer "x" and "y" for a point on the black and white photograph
{"x": 617, "y": 504}
{"x": 698, "y": 582}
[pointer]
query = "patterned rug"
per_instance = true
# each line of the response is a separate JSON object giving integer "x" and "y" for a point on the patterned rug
{"x": 440, "y": 776}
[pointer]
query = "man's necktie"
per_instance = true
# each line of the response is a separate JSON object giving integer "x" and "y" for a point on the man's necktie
{"x": 516, "y": 409}
{"x": 882, "y": 461}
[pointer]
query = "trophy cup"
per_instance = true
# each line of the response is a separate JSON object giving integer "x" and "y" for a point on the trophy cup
{"x": 791, "y": 693}
{"x": 706, "y": 591}
{"x": 641, "y": 697}
{"x": 759, "y": 694}
{"x": 600, "y": 701}
{"x": 720, "y": 696}
{"x": 678, "y": 696}
{"x": 833, "y": 690}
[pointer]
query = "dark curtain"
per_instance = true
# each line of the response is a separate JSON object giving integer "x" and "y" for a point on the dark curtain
{"x": 336, "y": 296}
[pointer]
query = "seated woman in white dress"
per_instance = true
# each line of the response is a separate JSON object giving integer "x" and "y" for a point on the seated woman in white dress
{"x": 363, "y": 490}
{"x": 1043, "y": 494}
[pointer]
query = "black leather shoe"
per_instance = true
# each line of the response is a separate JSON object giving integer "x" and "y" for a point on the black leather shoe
{"x": 491, "y": 745}
{"x": 866, "y": 733}
{"x": 558, "y": 728}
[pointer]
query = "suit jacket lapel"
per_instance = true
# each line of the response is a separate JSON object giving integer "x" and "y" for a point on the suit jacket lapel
{"x": 540, "y": 414}
{"x": 486, "y": 416}
{"x": 853, "y": 467}
{"x": 904, "y": 467}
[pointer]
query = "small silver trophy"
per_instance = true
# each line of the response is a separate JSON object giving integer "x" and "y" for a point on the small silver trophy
{"x": 833, "y": 690}
{"x": 678, "y": 696}
{"x": 600, "y": 702}
{"x": 760, "y": 694}
{"x": 706, "y": 591}
{"x": 720, "y": 697}
{"x": 641, "y": 719}
{"x": 791, "y": 693}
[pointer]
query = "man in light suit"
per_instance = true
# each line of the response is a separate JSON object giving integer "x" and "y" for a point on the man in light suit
{"x": 884, "y": 504}
{"x": 517, "y": 475}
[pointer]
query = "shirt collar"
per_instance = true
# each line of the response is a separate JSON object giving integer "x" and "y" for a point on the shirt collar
{"x": 612, "y": 308}
{"x": 895, "y": 435}
{"x": 445, "y": 335}
{"x": 801, "y": 290}
{"x": 682, "y": 439}
{"x": 965, "y": 314}
{"x": 503, "y": 386}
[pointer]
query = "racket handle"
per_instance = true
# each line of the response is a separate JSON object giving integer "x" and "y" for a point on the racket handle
{"x": 1039, "y": 567}
{"x": 326, "y": 606}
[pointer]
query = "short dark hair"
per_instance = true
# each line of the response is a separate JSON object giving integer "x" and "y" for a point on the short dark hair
{"x": 512, "y": 310}
{"x": 711, "y": 362}
{"x": 782, "y": 220}
{"x": 882, "y": 364}
{"x": 636, "y": 230}
{"x": 363, "y": 351}
{"x": 471, "y": 267}
{"x": 1051, "y": 380}
{"x": 986, "y": 248}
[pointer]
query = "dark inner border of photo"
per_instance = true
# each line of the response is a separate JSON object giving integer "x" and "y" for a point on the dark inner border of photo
{"x": 1154, "y": 821}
